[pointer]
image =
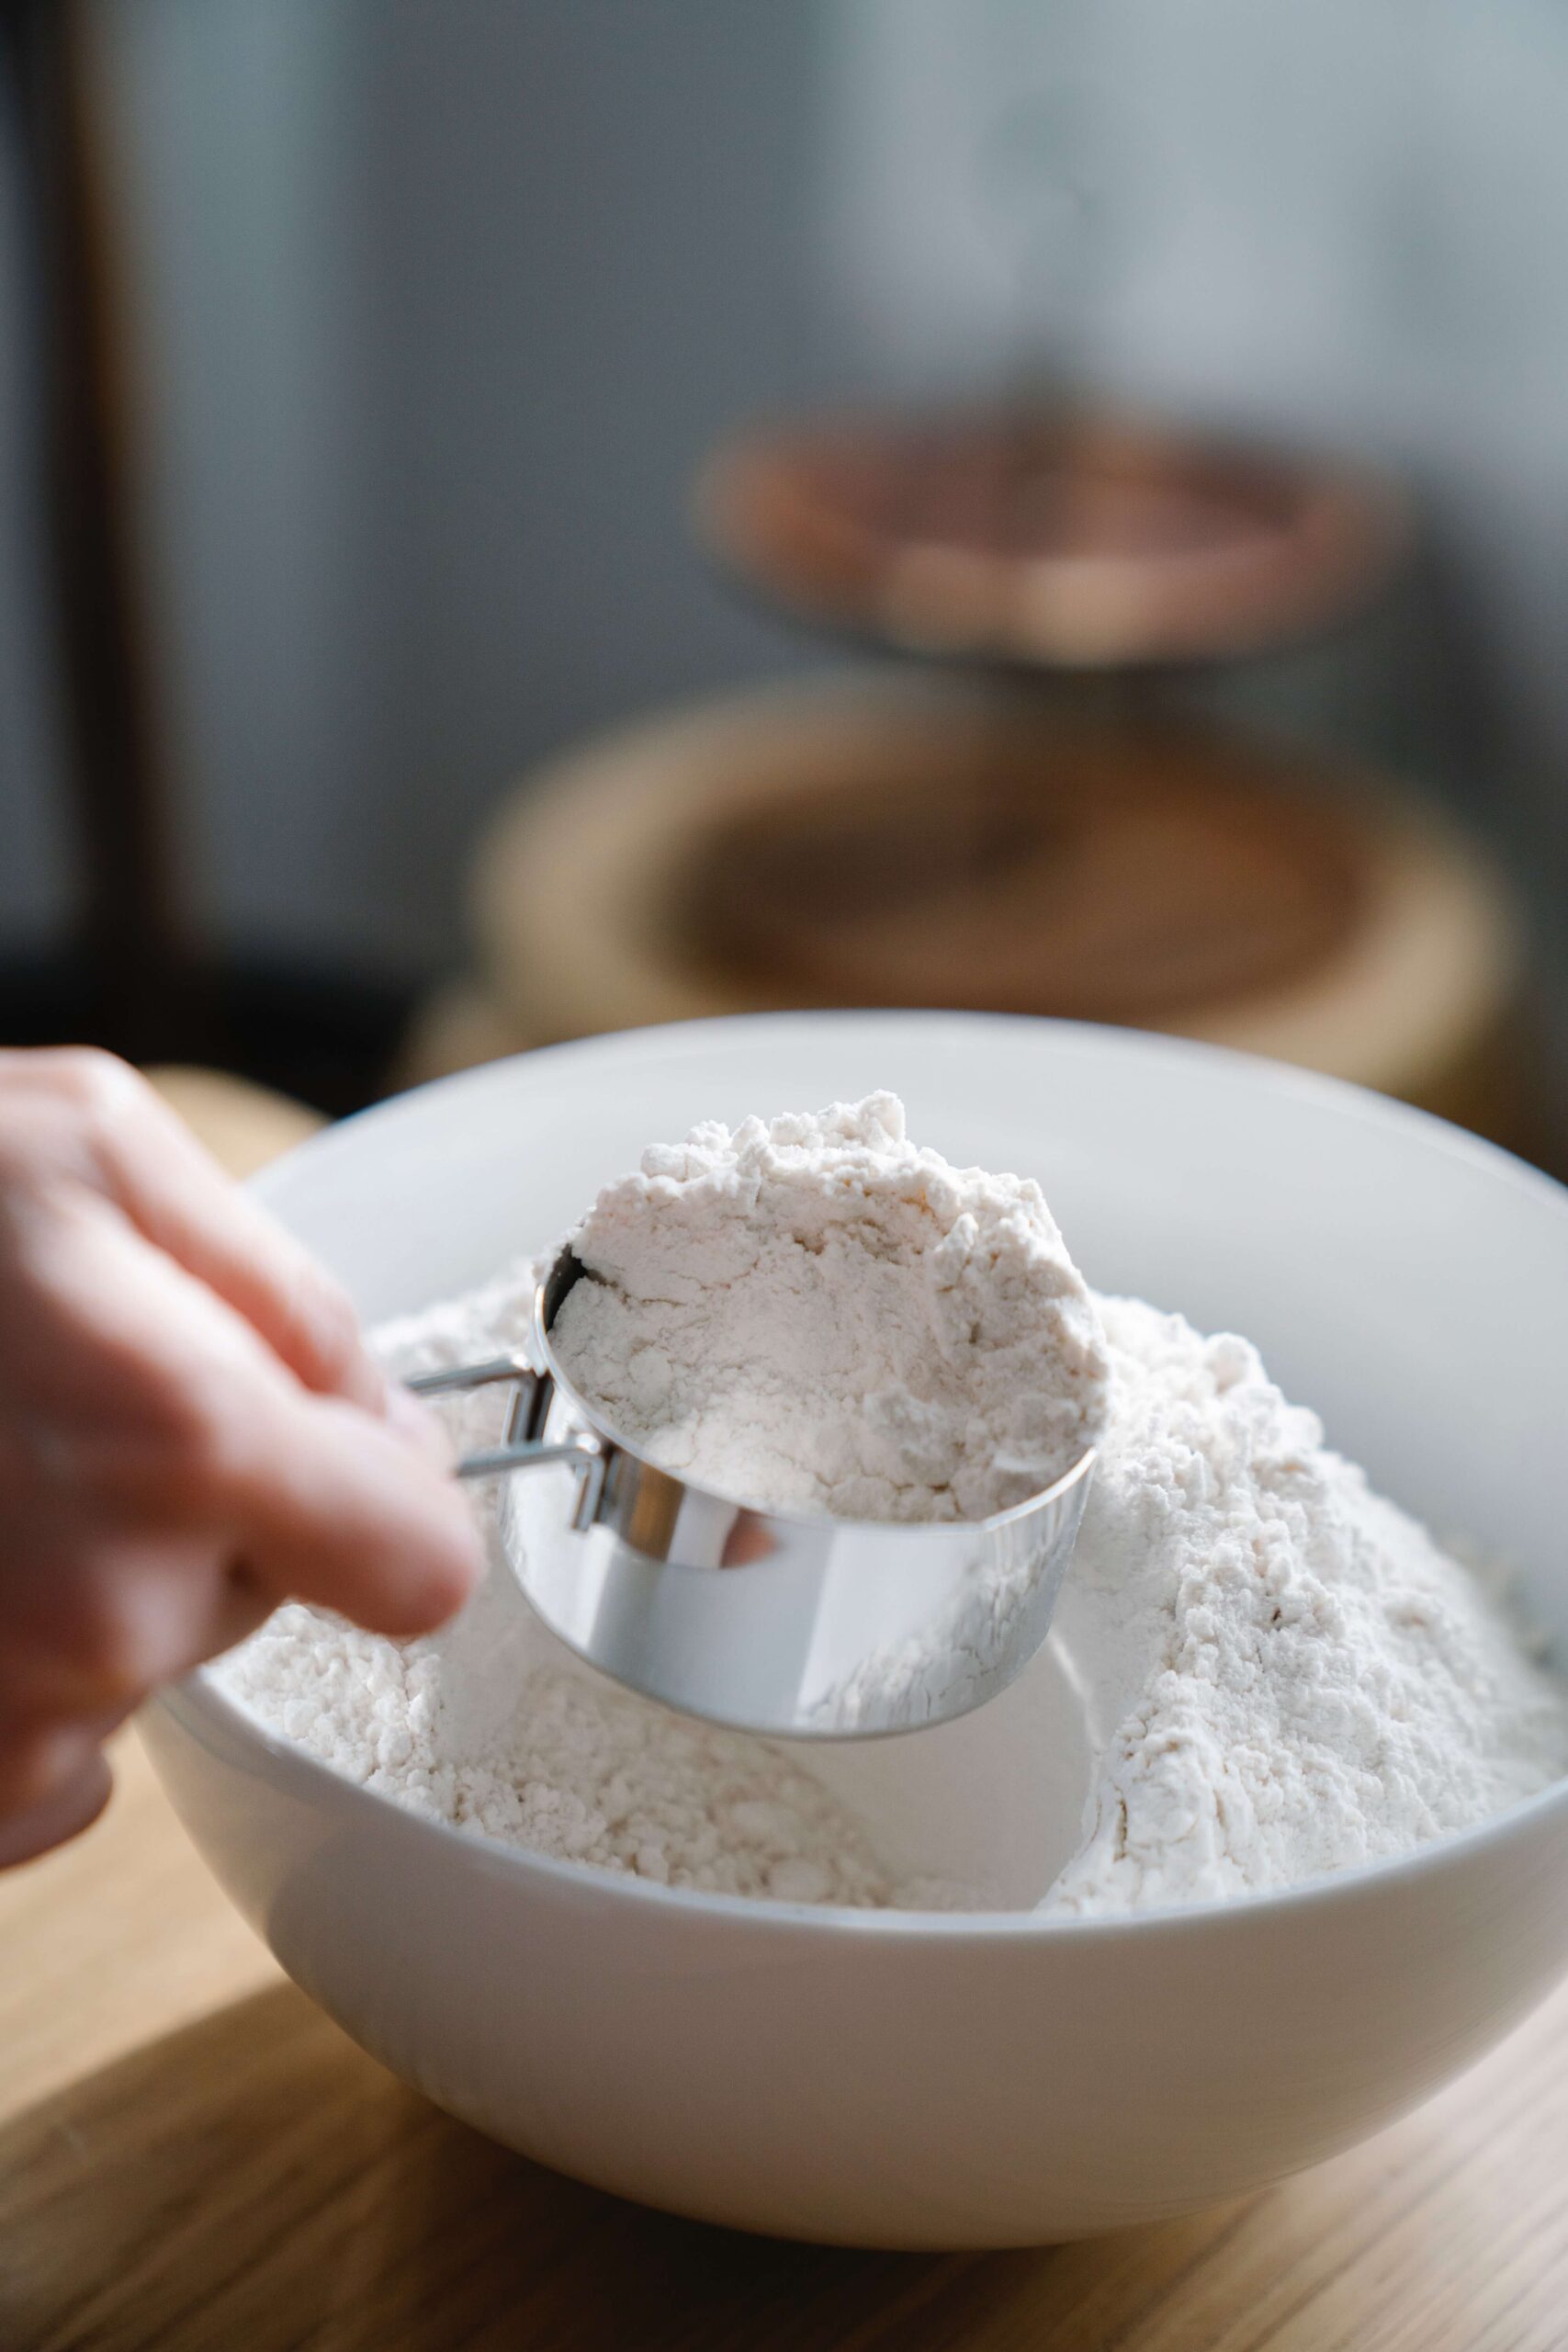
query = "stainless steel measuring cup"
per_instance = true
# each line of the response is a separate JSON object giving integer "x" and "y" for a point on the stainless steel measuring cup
{"x": 772, "y": 1620}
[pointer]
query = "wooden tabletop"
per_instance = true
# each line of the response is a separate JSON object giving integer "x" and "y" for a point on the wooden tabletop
{"x": 193, "y": 2158}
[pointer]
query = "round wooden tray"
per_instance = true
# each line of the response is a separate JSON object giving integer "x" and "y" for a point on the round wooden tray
{"x": 812, "y": 846}
{"x": 1068, "y": 539}
{"x": 1134, "y": 872}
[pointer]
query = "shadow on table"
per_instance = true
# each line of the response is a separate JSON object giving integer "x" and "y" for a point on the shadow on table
{"x": 256, "y": 2182}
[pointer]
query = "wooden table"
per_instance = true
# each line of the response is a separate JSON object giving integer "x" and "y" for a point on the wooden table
{"x": 193, "y": 2159}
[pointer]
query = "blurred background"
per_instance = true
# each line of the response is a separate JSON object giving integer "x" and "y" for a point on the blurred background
{"x": 1062, "y": 506}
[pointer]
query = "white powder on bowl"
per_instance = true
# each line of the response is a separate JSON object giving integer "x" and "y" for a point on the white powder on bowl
{"x": 1283, "y": 1674}
{"x": 1286, "y": 1674}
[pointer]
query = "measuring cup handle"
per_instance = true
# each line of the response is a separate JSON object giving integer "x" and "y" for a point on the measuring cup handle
{"x": 522, "y": 1447}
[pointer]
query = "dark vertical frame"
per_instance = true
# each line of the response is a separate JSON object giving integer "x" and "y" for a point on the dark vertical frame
{"x": 138, "y": 994}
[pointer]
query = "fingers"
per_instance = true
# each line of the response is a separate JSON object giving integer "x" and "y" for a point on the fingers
{"x": 190, "y": 1433}
{"x": 346, "y": 1512}
{"x": 169, "y": 1428}
{"x": 182, "y": 1200}
{"x": 369, "y": 1529}
{"x": 154, "y": 1169}
{"x": 121, "y": 1620}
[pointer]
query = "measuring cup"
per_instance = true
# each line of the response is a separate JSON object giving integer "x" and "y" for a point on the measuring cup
{"x": 785, "y": 1622}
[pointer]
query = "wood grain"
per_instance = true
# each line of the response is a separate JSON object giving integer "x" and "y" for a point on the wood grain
{"x": 193, "y": 2159}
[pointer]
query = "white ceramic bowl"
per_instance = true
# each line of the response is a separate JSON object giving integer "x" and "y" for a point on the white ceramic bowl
{"x": 916, "y": 2080}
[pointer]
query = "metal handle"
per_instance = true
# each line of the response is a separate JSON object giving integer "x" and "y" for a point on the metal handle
{"x": 522, "y": 1448}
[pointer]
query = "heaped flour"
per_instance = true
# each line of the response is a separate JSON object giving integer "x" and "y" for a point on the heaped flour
{"x": 1285, "y": 1675}
{"x": 817, "y": 1313}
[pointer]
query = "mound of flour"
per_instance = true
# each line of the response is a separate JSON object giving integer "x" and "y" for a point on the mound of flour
{"x": 1283, "y": 1674}
{"x": 816, "y": 1313}
{"x": 490, "y": 1726}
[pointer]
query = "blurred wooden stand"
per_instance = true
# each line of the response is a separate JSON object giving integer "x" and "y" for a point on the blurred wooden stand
{"x": 1049, "y": 536}
{"x": 900, "y": 845}
{"x": 1036, "y": 826}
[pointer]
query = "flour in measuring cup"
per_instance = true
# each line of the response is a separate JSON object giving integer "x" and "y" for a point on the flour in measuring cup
{"x": 817, "y": 1313}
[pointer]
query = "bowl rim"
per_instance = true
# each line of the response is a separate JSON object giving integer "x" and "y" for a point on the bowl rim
{"x": 1361, "y": 1104}
{"x": 200, "y": 1704}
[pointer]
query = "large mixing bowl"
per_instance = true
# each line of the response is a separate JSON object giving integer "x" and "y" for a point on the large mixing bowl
{"x": 924, "y": 2080}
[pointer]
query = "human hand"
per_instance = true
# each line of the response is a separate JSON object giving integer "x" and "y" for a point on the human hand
{"x": 191, "y": 1431}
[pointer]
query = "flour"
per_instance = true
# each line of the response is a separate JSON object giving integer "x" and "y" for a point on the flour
{"x": 814, "y": 1313}
{"x": 1286, "y": 1675}
{"x": 1283, "y": 1674}
{"x": 490, "y": 1728}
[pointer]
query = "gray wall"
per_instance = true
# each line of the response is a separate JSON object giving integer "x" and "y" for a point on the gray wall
{"x": 448, "y": 301}
{"x": 441, "y": 302}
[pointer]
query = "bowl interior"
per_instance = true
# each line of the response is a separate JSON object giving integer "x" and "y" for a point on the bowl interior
{"x": 1405, "y": 1281}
